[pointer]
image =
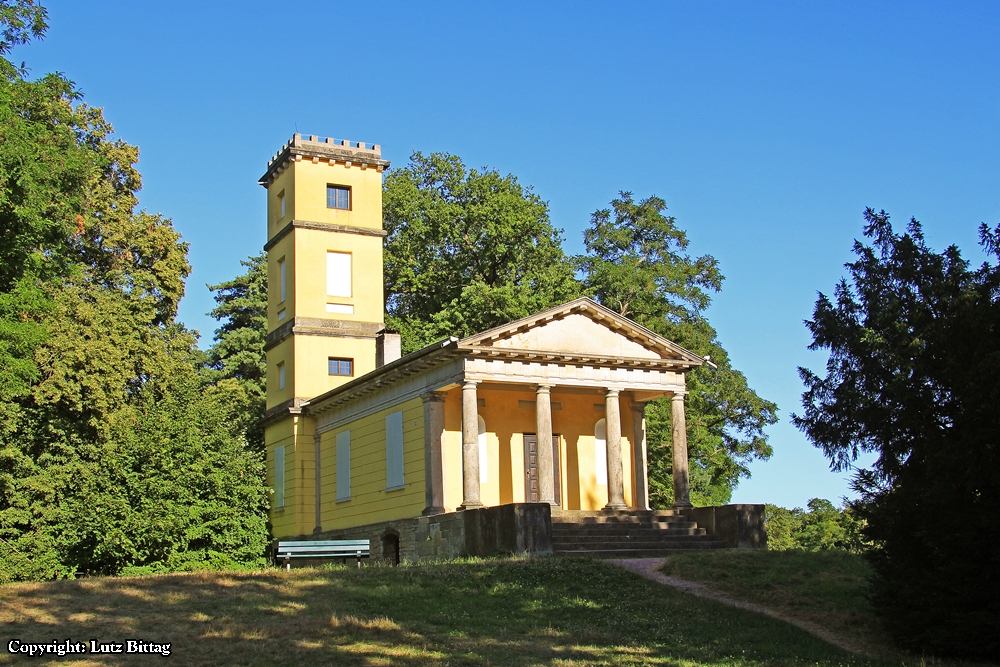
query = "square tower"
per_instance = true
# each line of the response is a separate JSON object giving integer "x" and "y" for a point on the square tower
{"x": 325, "y": 293}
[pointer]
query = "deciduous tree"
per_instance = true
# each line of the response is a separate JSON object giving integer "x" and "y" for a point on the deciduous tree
{"x": 638, "y": 265}
{"x": 466, "y": 250}
{"x": 114, "y": 452}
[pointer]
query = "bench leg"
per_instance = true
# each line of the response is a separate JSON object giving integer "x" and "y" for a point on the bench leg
{"x": 359, "y": 560}
{"x": 288, "y": 565}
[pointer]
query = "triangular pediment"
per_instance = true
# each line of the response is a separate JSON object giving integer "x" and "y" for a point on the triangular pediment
{"x": 581, "y": 328}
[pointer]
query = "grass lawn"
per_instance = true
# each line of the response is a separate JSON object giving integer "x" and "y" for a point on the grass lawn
{"x": 828, "y": 588}
{"x": 547, "y": 611}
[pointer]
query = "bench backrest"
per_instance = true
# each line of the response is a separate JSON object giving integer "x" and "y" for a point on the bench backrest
{"x": 318, "y": 548}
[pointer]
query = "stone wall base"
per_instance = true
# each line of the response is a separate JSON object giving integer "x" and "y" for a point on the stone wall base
{"x": 507, "y": 529}
{"x": 739, "y": 526}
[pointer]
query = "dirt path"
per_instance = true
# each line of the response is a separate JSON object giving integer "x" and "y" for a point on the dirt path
{"x": 650, "y": 568}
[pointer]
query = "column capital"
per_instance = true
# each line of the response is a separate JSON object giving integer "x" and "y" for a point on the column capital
{"x": 678, "y": 395}
{"x": 543, "y": 388}
{"x": 470, "y": 384}
{"x": 638, "y": 406}
{"x": 434, "y": 396}
{"x": 611, "y": 393}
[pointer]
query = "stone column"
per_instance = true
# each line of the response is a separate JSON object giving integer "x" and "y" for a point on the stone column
{"x": 470, "y": 447}
{"x": 543, "y": 438}
{"x": 433, "y": 448}
{"x": 641, "y": 487}
{"x": 319, "y": 482}
{"x": 682, "y": 497}
{"x": 613, "y": 432}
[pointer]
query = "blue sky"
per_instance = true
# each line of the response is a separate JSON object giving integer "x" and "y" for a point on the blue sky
{"x": 767, "y": 128}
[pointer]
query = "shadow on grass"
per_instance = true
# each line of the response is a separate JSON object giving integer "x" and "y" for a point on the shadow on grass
{"x": 504, "y": 612}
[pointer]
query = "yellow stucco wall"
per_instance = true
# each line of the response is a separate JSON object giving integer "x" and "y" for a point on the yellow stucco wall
{"x": 311, "y": 246}
{"x": 312, "y": 353}
{"x": 297, "y": 517}
{"x": 370, "y": 502}
{"x": 283, "y": 352}
{"x": 310, "y": 185}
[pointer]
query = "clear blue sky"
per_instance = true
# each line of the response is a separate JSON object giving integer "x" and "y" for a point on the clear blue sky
{"x": 767, "y": 128}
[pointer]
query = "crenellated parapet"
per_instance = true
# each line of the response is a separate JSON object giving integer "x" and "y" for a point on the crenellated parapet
{"x": 328, "y": 150}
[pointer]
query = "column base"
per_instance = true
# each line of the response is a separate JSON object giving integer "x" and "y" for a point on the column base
{"x": 682, "y": 506}
{"x": 614, "y": 508}
{"x": 470, "y": 506}
{"x": 431, "y": 511}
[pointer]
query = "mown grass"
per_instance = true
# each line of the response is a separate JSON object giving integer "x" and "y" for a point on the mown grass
{"x": 828, "y": 588}
{"x": 549, "y": 611}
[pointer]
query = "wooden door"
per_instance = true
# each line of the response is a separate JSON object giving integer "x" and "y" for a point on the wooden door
{"x": 531, "y": 468}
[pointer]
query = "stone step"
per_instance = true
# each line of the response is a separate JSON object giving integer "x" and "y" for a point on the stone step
{"x": 616, "y": 529}
{"x": 640, "y": 553}
{"x": 560, "y": 514}
{"x": 616, "y": 520}
{"x": 589, "y": 543}
{"x": 626, "y": 535}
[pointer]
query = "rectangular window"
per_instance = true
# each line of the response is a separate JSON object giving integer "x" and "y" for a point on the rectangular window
{"x": 344, "y": 465}
{"x": 281, "y": 314}
{"x": 341, "y": 366}
{"x": 338, "y": 196}
{"x": 394, "y": 451}
{"x": 281, "y": 202}
{"x": 281, "y": 278}
{"x": 281, "y": 375}
{"x": 279, "y": 477}
{"x": 338, "y": 274}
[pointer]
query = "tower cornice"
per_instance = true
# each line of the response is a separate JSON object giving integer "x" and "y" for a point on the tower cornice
{"x": 323, "y": 149}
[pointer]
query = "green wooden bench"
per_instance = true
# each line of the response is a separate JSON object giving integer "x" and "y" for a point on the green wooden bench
{"x": 323, "y": 549}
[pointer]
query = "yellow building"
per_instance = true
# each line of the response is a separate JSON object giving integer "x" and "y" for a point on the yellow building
{"x": 436, "y": 454}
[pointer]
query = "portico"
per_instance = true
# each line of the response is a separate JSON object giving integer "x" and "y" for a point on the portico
{"x": 522, "y": 386}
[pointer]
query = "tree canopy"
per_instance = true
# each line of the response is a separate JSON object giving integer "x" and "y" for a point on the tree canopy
{"x": 914, "y": 354}
{"x": 638, "y": 265}
{"x": 238, "y": 350}
{"x": 466, "y": 250}
{"x": 115, "y": 453}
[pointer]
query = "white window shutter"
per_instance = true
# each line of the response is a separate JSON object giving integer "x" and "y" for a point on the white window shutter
{"x": 483, "y": 458}
{"x": 344, "y": 465}
{"x": 601, "y": 451}
{"x": 394, "y": 450}
{"x": 279, "y": 477}
{"x": 338, "y": 274}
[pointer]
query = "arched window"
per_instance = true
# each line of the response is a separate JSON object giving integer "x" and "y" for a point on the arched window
{"x": 601, "y": 451}
{"x": 482, "y": 451}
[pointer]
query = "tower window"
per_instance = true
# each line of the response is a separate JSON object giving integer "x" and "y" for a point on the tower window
{"x": 341, "y": 366}
{"x": 281, "y": 375}
{"x": 338, "y": 197}
{"x": 338, "y": 274}
{"x": 281, "y": 202}
{"x": 279, "y": 477}
{"x": 281, "y": 274}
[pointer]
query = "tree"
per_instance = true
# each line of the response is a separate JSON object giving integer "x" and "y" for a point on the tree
{"x": 637, "y": 264}
{"x": 114, "y": 452}
{"x": 466, "y": 250}
{"x": 914, "y": 355}
{"x": 238, "y": 352}
{"x": 820, "y": 528}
